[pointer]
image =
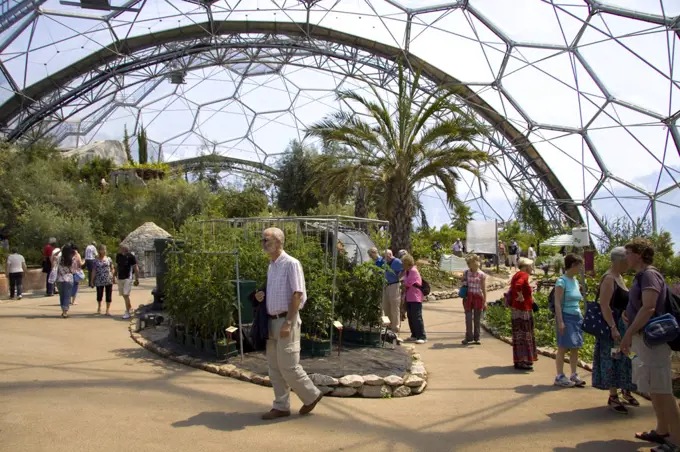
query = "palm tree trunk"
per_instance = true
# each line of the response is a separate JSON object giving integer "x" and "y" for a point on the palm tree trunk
{"x": 400, "y": 223}
{"x": 361, "y": 207}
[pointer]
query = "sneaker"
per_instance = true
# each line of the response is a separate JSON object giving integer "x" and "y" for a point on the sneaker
{"x": 20, "y": 297}
{"x": 577, "y": 381}
{"x": 563, "y": 381}
{"x": 421, "y": 341}
{"x": 477, "y": 343}
{"x": 126, "y": 315}
{"x": 410, "y": 339}
{"x": 465, "y": 342}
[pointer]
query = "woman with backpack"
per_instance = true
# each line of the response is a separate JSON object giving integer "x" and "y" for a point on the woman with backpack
{"x": 413, "y": 296}
{"x": 568, "y": 321}
{"x": 474, "y": 301}
{"x": 652, "y": 365}
{"x": 611, "y": 369}
{"x": 524, "y": 351}
{"x": 66, "y": 266}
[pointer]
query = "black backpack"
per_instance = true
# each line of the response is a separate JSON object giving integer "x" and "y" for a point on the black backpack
{"x": 673, "y": 307}
{"x": 424, "y": 287}
{"x": 551, "y": 300}
{"x": 513, "y": 250}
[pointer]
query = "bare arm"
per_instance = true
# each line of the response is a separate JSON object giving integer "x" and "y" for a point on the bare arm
{"x": 484, "y": 289}
{"x": 559, "y": 295}
{"x": 606, "y": 292}
{"x": 136, "y": 267}
{"x": 294, "y": 307}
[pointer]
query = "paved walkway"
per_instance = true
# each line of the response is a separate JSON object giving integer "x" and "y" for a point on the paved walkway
{"x": 81, "y": 384}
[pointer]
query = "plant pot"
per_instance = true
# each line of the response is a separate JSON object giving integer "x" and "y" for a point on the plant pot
{"x": 221, "y": 350}
{"x": 315, "y": 347}
{"x": 350, "y": 336}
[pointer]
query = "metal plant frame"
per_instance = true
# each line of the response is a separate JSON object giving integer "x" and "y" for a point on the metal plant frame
{"x": 302, "y": 224}
{"x": 130, "y": 56}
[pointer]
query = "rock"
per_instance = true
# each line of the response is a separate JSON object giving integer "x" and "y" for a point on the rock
{"x": 212, "y": 368}
{"x": 141, "y": 240}
{"x": 246, "y": 375}
{"x": 375, "y": 392}
{"x": 343, "y": 391}
{"x": 325, "y": 390}
{"x": 373, "y": 380}
{"x": 197, "y": 363}
{"x": 393, "y": 380}
{"x": 352, "y": 381}
{"x": 419, "y": 389}
{"x": 184, "y": 359}
{"x": 226, "y": 370}
{"x": 401, "y": 391}
{"x": 413, "y": 381}
{"x": 236, "y": 373}
{"x": 415, "y": 357}
{"x": 107, "y": 149}
{"x": 323, "y": 380}
{"x": 257, "y": 379}
{"x": 419, "y": 371}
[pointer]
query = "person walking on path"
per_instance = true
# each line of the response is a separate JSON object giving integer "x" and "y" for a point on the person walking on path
{"x": 391, "y": 297}
{"x": 76, "y": 281}
{"x": 66, "y": 266}
{"x": 47, "y": 265}
{"x": 524, "y": 351}
{"x": 653, "y": 370}
{"x": 475, "y": 300}
{"x": 90, "y": 256}
{"x": 458, "y": 248}
{"x": 286, "y": 295}
{"x": 611, "y": 369}
{"x": 568, "y": 321}
{"x": 126, "y": 263}
{"x": 15, "y": 270}
{"x": 103, "y": 277}
{"x": 514, "y": 254}
{"x": 413, "y": 297}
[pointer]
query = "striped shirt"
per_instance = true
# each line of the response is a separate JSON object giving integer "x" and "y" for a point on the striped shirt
{"x": 284, "y": 278}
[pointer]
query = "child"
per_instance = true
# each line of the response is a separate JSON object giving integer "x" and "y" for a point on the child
{"x": 475, "y": 301}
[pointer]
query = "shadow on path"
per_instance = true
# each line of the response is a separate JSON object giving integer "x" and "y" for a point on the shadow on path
{"x": 490, "y": 371}
{"x": 227, "y": 422}
{"x": 598, "y": 446}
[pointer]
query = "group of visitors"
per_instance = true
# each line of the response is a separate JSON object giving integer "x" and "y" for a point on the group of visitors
{"x": 622, "y": 360}
{"x": 403, "y": 293}
{"x": 64, "y": 266}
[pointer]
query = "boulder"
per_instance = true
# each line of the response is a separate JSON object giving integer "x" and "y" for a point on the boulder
{"x": 401, "y": 391}
{"x": 323, "y": 380}
{"x": 375, "y": 392}
{"x": 226, "y": 370}
{"x": 246, "y": 375}
{"x": 373, "y": 380}
{"x": 393, "y": 380}
{"x": 419, "y": 389}
{"x": 413, "y": 380}
{"x": 343, "y": 391}
{"x": 325, "y": 390}
{"x": 257, "y": 379}
{"x": 266, "y": 381}
{"x": 352, "y": 381}
{"x": 107, "y": 149}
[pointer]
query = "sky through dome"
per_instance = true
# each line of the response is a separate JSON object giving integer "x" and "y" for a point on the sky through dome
{"x": 592, "y": 87}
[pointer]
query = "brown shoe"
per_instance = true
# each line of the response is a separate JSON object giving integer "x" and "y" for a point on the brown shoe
{"x": 306, "y": 409}
{"x": 275, "y": 414}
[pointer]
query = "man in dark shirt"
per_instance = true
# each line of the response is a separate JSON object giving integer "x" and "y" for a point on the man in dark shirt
{"x": 126, "y": 264}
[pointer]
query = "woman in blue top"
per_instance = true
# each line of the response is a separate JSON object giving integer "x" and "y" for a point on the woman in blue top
{"x": 568, "y": 321}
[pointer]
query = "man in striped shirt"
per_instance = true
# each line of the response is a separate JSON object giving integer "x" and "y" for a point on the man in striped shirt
{"x": 286, "y": 295}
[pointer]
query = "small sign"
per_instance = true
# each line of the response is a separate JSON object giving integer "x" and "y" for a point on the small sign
{"x": 337, "y": 324}
{"x": 231, "y": 329}
{"x": 385, "y": 320}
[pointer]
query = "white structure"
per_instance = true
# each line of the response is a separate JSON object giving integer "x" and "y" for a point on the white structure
{"x": 141, "y": 243}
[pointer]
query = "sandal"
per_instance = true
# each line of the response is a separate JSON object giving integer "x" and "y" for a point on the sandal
{"x": 629, "y": 399}
{"x": 652, "y": 437}
{"x": 616, "y": 406}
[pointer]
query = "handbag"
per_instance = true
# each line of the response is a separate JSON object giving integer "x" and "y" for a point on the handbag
{"x": 593, "y": 320}
{"x": 462, "y": 292}
{"x": 79, "y": 275}
{"x": 661, "y": 330}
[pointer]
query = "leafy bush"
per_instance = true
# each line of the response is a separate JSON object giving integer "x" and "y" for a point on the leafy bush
{"x": 360, "y": 296}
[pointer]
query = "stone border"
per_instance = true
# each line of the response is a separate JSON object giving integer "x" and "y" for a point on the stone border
{"x": 412, "y": 382}
{"x": 453, "y": 293}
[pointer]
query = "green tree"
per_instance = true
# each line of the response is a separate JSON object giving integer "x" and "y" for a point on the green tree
{"x": 95, "y": 170}
{"x": 426, "y": 139}
{"x": 249, "y": 202}
{"x": 126, "y": 145}
{"x": 620, "y": 230}
{"x": 531, "y": 217}
{"x": 143, "y": 146}
{"x": 296, "y": 169}
{"x": 462, "y": 215}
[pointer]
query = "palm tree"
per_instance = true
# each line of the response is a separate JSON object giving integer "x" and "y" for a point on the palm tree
{"x": 426, "y": 138}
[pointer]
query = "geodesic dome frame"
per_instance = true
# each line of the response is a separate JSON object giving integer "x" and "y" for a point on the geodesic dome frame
{"x": 127, "y": 71}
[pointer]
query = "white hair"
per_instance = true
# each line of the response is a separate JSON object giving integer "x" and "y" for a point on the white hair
{"x": 388, "y": 253}
{"x": 617, "y": 254}
{"x": 402, "y": 253}
{"x": 276, "y": 233}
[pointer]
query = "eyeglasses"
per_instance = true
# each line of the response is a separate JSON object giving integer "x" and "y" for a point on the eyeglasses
{"x": 265, "y": 240}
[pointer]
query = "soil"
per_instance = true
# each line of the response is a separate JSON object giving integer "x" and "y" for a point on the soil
{"x": 352, "y": 360}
